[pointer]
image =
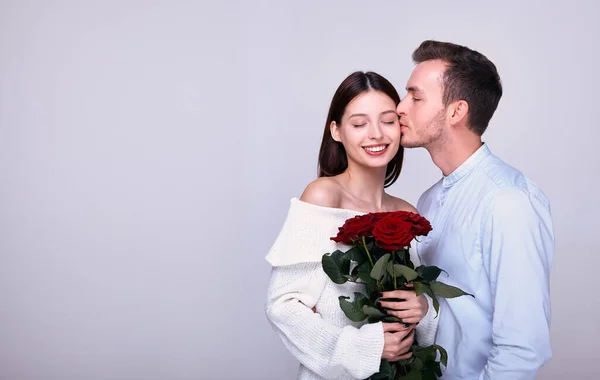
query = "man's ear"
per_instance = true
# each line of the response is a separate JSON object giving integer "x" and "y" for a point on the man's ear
{"x": 459, "y": 111}
{"x": 335, "y": 131}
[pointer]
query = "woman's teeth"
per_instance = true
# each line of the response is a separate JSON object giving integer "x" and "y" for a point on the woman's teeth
{"x": 375, "y": 148}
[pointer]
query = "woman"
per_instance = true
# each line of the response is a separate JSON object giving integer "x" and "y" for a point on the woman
{"x": 360, "y": 156}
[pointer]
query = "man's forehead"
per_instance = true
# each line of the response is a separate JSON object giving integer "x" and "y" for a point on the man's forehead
{"x": 426, "y": 75}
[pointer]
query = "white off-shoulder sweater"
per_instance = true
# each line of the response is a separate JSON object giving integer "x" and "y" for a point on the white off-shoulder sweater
{"x": 327, "y": 344}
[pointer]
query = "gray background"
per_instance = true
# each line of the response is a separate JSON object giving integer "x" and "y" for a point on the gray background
{"x": 148, "y": 151}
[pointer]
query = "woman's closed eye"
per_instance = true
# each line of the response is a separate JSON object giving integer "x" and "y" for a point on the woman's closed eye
{"x": 390, "y": 120}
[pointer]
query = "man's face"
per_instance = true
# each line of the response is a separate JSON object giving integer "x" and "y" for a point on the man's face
{"x": 422, "y": 112}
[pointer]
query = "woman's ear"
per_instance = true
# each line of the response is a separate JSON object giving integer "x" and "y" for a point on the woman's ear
{"x": 335, "y": 131}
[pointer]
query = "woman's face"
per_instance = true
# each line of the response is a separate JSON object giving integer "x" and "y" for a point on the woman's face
{"x": 369, "y": 130}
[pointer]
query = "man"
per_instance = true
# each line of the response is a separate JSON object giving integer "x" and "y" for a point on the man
{"x": 492, "y": 228}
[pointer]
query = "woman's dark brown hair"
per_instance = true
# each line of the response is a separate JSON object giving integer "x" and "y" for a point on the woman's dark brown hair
{"x": 332, "y": 155}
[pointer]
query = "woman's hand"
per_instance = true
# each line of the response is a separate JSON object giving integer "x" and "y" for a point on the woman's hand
{"x": 397, "y": 341}
{"x": 410, "y": 308}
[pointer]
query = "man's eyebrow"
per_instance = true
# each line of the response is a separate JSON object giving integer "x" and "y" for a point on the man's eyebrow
{"x": 414, "y": 89}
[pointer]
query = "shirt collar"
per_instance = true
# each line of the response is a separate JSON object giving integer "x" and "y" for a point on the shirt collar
{"x": 467, "y": 167}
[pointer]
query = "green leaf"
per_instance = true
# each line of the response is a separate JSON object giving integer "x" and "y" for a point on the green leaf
{"x": 371, "y": 246}
{"x": 443, "y": 355}
{"x": 447, "y": 291}
{"x": 372, "y": 311}
{"x": 391, "y": 319}
{"x": 428, "y": 375}
{"x": 401, "y": 255}
{"x": 357, "y": 254}
{"x": 336, "y": 265}
{"x": 354, "y": 309}
{"x": 434, "y": 300}
{"x": 436, "y": 304}
{"x": 379, "y": 268}
{"x": 354, "y": 271}
{"x": 420, "y": 288}
{"x": 429, "y": 273}
{"x": 385, "y": 371}
{"x": 424, "y": 288}
{"x": 417, "y": 364}
{"x": 364, "y": 273}
{"x": 414, "y": 374}
{"x": 426, "y": 354}
{"x": 399, "y": 269}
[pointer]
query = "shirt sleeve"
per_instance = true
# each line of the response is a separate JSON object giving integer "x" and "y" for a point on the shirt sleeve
{"x": 326, "y": 349}
{"x": 517, "y": 246}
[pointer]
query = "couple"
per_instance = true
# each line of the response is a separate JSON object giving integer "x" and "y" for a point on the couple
{"x": 492, "y": 230}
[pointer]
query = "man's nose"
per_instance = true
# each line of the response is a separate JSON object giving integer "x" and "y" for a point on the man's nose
{"x": 401, "y": 108}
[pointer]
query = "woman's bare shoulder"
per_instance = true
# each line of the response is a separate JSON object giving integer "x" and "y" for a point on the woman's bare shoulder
{"x": 324, "y": 191}
{"x": 401, "y": 205}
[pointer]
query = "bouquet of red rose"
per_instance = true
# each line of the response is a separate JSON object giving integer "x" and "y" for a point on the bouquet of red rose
{"x": 379, "y": 258}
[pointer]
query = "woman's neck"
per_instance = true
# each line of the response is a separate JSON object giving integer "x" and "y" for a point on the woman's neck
{"x": 365, "y": 185}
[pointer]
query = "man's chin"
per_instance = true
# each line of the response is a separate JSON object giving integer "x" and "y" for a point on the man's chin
{"x": 410, "y": 144}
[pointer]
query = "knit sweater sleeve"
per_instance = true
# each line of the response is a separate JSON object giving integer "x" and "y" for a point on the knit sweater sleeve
{"x": 427, "y": 328}
{"x": 328, "y": 350}
{"x": 296, "y": 284}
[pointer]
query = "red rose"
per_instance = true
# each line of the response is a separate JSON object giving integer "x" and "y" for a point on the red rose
{"x": 378, "y": 215}
{"x": 405, "y": 215}
{"x": 393, "y": 233}
{"x": 355, "y": 228}
{"x": 421, "y": 225}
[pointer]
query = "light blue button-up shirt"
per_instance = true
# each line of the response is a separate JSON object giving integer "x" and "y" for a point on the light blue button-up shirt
{"x": 492, "y": 232}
